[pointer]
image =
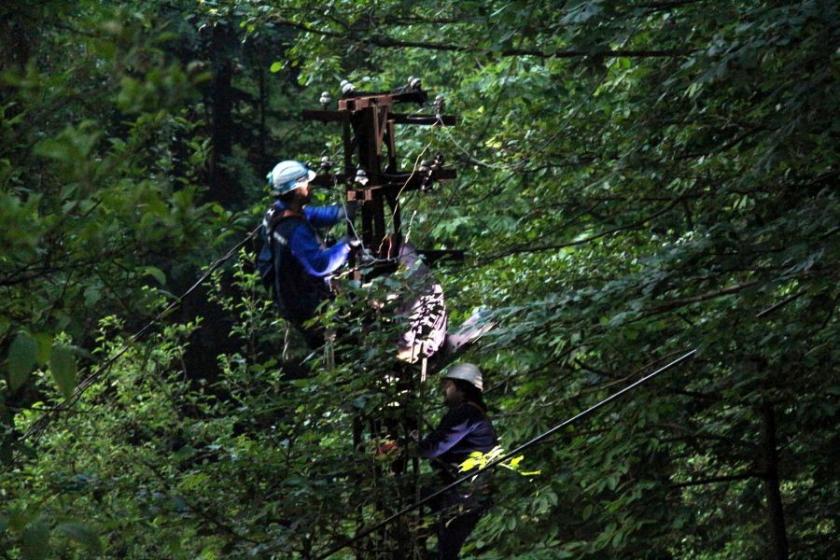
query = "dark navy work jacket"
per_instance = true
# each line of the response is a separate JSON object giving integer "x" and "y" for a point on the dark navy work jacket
{"x": 464, "y": 429}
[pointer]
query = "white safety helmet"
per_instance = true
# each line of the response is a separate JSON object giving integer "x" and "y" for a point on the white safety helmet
{"x": 287, "y": 176}
{"x": 466, "y": 372}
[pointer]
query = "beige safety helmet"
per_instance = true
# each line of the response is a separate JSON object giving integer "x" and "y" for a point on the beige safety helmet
{"x": 466, "y": 372}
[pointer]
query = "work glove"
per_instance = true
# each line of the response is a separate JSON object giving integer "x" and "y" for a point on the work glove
{"x": 353, "y": 241}
{"x": 387, "y": 448}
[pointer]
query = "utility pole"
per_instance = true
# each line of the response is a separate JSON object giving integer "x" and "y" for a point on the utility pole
{"x": 778, "y": 542}
{"x": 372, "y": 177}
{"x": 371, "y": 173}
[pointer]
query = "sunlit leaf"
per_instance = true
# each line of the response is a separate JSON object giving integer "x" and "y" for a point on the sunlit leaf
{"x": 63, "y": 368}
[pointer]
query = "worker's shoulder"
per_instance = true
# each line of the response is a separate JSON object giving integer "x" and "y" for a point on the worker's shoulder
{"x": 277, "y": 213}
{"x": 288, "y": 230}
{"x": 291, "y": 222}
{"x": 466, "y": 412}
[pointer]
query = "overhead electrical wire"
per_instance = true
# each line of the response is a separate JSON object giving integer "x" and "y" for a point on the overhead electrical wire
{"x": 538, "y": 439}
{"x": 38, "y": 427}
{"x": 509, "y": 455}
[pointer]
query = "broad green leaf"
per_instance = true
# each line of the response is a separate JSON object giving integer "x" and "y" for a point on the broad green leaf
{"x": 185, "y": 452}
{"x": 63, "y": 368}
{"x": 276, "y": 67}
{"x": 36, "y": 540}
{"x": 92, "y": 294}
{"x": 157, "y": 274}
{"x": 44, "y": 342}
{"x": 55, "y": 149}
{"x": 22, "y": 356}
{"x": 82, "y": 534}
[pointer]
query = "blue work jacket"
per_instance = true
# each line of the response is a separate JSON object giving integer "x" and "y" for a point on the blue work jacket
{"x": 294, "y": 260}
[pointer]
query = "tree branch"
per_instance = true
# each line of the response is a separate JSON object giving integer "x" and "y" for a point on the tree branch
{"x": 673, "y": 304}
{"x": 718, "y": 479}
{"x": 667, "y": 5}
{"x": 731, "y": 143}
{"x": 553, "y": 247}
{"x": 212, "y": 518}
{"x": 389, "y": 42}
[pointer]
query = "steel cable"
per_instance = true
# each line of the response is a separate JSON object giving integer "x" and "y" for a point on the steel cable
{"x": 38, "y": 427}
{"x": 508, "y": 455}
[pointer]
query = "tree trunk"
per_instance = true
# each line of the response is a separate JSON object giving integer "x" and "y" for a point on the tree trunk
{"x": 7, "y": 435}
{"x": 775, "y": 513}
{"x": 222, "y": 188}
{"x": 263, "y": 155}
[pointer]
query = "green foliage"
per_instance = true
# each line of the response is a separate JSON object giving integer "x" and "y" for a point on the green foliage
{"x": 63, "y": 368}
{"x": 22, "y": 356}
{"x": 89, "y": 200}
{"x": 635, "y": 179}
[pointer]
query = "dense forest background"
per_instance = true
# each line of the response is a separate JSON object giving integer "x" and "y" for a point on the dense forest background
{"x": 636, "y": 179}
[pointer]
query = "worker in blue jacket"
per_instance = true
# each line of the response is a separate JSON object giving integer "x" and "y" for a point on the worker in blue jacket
{"x": 294, "y": 261}
{"x": 464, "y": 428}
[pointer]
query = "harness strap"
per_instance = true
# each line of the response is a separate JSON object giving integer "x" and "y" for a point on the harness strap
{"x": 272, "y": 222}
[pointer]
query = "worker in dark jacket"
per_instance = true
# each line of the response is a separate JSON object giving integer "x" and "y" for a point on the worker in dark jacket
{"x": 464, "y": 429}
{"x": 294, "y": 260}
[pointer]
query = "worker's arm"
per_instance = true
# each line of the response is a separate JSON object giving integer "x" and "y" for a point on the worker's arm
{"x": 318, "y": 216}
{"x": 454, "y": 427}
{"x": 324, "y": 216}
{"x": 316, "y": 259}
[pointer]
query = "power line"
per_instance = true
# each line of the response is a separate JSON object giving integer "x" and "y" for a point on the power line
{"x": 508, "y": 455}
{"x": 38, "y": 427}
